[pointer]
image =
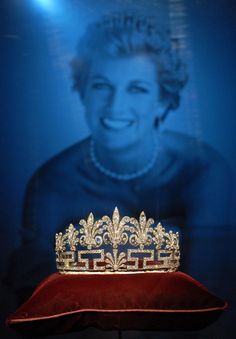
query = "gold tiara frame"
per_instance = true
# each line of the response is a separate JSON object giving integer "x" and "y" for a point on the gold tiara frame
{"x": 117, "y": 245}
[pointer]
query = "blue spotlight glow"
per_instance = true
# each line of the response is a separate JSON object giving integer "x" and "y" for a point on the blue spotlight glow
{"x": 49, "y": 5}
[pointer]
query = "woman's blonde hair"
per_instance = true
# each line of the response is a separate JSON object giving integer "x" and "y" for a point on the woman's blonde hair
{"x": 127, "y": 34}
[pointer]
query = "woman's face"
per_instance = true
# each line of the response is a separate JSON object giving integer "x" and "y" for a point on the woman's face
{"x": 121, "y": 100}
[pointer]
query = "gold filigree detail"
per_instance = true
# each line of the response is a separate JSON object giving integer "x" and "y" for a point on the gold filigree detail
{"x": 141, "y": 230}
{"x": 67, "y": 261}
{"x": 129, "y": 245}
{"x": 83, "y": 259}
{"x": 134, "y": 257}
{"x": 72, "y": 237}
{"x": 167, "y": 261}
{"x": 115, "y": 229}
{"x": 115, "y": 261}
{"x": 172, "y": 240}
{"x": 158, "y": 235}
{"x": 91, "y": 232}
{"x": 60, "y": 245}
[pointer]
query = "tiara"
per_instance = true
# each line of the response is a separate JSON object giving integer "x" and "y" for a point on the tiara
{"x": 117, "y": 245}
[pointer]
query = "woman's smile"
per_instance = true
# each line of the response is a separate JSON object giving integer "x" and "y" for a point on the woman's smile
{"x": 122, "y": 97}
{"x": 117, "y": 124}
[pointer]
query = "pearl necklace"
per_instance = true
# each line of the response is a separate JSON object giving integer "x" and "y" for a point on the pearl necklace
{"x": 122, "y": 177}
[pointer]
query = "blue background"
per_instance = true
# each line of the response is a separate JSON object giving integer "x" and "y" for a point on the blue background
{"x": 41, "y": 115}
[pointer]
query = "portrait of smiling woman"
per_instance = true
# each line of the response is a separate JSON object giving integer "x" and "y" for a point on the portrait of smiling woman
{"x": 129, "y": 75}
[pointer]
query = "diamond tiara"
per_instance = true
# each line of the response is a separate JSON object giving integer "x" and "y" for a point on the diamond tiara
{"x": 117, "y": 245}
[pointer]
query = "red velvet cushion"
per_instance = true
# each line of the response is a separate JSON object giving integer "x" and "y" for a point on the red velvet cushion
{"x": 63, "y": 303}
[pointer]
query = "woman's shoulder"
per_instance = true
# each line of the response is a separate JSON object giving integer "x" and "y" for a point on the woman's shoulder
{"x": 189, "y": 148}
{"x": 197, "y": 160}
{"x": 65, "y": 164}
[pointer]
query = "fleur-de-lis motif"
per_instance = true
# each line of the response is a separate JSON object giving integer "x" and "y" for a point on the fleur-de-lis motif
{"x": 90, "y": 231}
{"x": 158, "y": 234}
{"x": 72, "y": 237}
{"x": 116, "y": 261}
{"x": 60, "y": 244}
{"x": 115, "y": 229}
{"x": 141, "y": 230}
{"x": 172, "y": 240}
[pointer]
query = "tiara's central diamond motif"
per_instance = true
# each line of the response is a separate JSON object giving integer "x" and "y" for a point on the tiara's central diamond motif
{"x": 117, "y": 245}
